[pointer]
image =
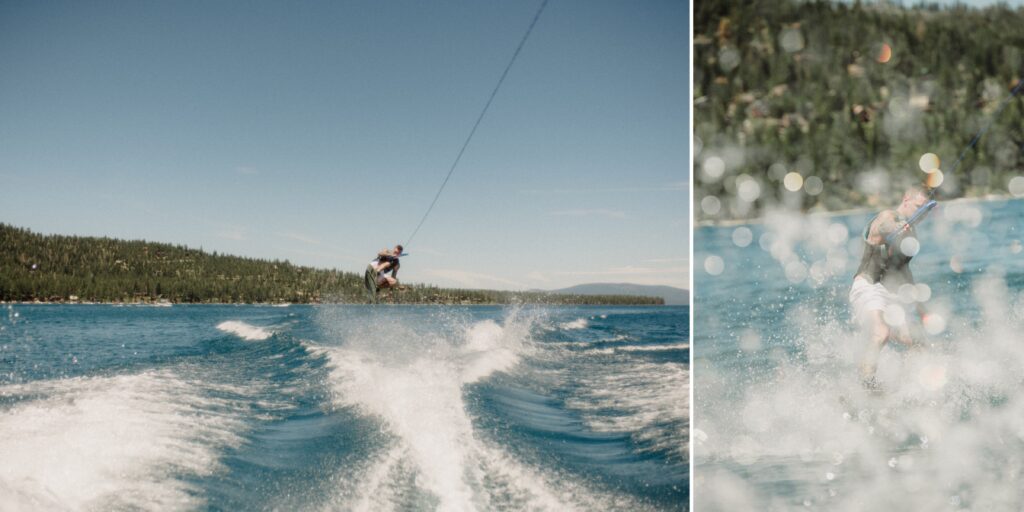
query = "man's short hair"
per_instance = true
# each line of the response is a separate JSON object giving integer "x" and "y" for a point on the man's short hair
{"x": 914, "y": 190}
{"x": 400, "y": 248}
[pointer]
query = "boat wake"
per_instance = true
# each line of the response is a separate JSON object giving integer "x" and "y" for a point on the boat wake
{"x": 121, "y": 442}
{"x": 415, "y": 382}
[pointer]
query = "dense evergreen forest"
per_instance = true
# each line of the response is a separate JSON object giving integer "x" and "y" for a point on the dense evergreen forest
{"x": 849, "y": 96}
{"x": 56, "y": 268}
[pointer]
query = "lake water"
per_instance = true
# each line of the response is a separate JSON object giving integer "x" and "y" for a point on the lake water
{"x": 781, "y": 421}
{"x": 343, "y": 408}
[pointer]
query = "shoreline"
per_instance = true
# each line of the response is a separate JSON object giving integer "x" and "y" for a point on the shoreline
{"x": 283, "y": 305}
{"x": 848, "y": 211}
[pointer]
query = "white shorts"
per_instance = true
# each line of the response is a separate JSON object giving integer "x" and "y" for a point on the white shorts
{"x": 866, "y": 297}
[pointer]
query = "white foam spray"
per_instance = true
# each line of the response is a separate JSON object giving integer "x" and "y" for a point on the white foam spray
{"x": 946, "y": 434}
{"x": 104, "y": 443}
{"x": 413, "y": 381}
{"x": 244, "y": 330}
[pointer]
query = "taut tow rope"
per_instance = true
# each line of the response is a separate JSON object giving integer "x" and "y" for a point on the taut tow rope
{"x": 478, "y": 119}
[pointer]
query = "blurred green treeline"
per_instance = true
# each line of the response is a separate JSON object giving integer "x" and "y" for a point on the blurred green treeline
{"x": 850, "y": 95}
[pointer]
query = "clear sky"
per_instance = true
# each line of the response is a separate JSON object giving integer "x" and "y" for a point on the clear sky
{"x": 318, "y": 132}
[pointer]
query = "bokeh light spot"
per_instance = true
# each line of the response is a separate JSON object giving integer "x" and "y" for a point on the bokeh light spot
{"x": 791, "y": 40}
{"x": 837, "y": 233}
{"x": 742, "y": 236}
{"x": 934, "y": 323}
{"x": 793, "y": 181}
{"x": 711, "y": 205}
{"x": 1016, "y": 186}
{"x": 884, "y": 53}
{"x": 748, "y": 189}
{"x": 796, "y": 271}
{"x": 907, "y": 293}
{"x": 714, "y": 265}
{"x": 713, "y": 168}
{"x": 929, "y": 162}
{"x": 728, "y": 59}
{"x": 923, "y": 293}
{"x": 956, "y": 264}
{"x": 813, "y": 185}
{"x": 910, "y": 246}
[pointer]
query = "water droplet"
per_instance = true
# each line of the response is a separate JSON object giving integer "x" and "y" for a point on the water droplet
{"x": 714, "y": 265}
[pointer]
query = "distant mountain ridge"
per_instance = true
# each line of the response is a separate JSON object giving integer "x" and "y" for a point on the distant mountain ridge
{"x": 672, "y": 295}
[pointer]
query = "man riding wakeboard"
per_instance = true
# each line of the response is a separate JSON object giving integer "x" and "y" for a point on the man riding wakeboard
{"x": 376, "y": 278}
{"x": 890, "y": 242}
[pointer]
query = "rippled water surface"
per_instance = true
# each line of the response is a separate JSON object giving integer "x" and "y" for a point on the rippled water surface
{"x": 343, "y": 408}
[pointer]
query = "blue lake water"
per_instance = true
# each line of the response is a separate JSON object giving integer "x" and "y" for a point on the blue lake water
{"x": 782, "y": 422}
{"x": 343, "y": 408}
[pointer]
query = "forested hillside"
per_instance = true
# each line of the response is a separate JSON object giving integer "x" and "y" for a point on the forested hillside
{"x": 849, "y": 96}
{"x": 88, "y": 269}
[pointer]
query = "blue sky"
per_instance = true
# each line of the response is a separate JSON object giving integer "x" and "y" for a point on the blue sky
{"x": 319, "y": 132}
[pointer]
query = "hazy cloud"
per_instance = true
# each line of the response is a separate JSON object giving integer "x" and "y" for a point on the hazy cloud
{"x": 472, "y": 279}
{"x": 538, "y": 276}
{"x": 677, "y": 276}
{"x": 628, "y": 270}
{"x": 597, "y": 212}
{"x": 667, "y": 260}
{"x": 668, "y": 187}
